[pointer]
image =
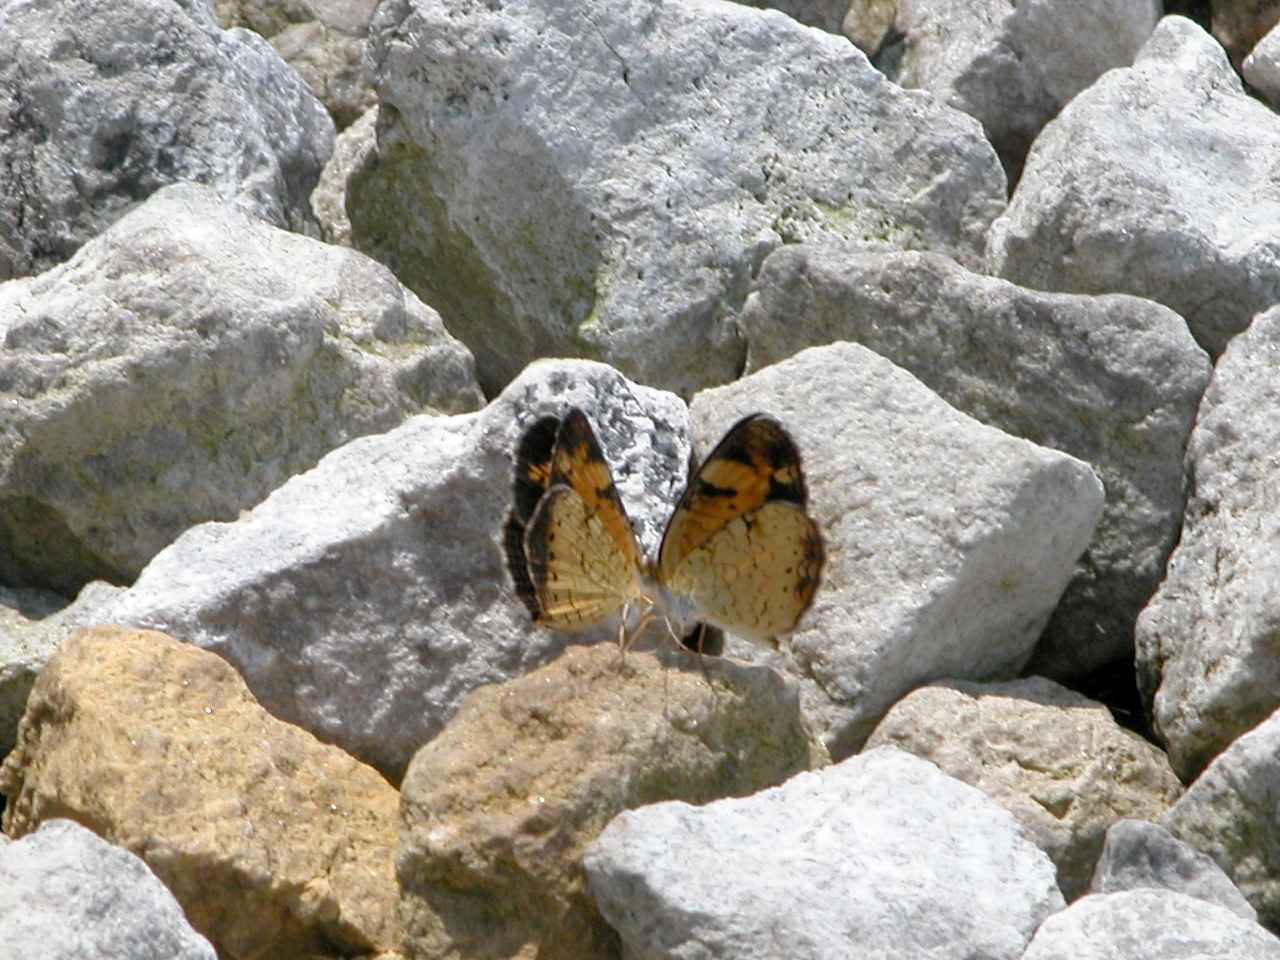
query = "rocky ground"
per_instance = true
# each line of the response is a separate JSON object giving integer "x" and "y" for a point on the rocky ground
{"x": 283, "y": 284}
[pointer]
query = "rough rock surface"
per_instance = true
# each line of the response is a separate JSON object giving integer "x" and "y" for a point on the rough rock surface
{"x": 324, "y": 40}
{"x": 1207, "y": 641}
{"x": 603, "y": 181}
{"x": 1014, "y": 65}
{"x": 1230, "y": 814}
{"x": 1239, "y": 24}
{"x": 1138, "y": 854}
{"x": 274, "y": 843}
{"x": 1156, "y": 181}
{"x": 102, "y": 104}
{"x": 948, "y": 542}
{"x": 1112, "y": 380}
{"x": 365, "y": 619}
{"x": 497, "y": 810}
{"x": 1261, "y": 68}
{"x": 1054, "y": 759}
{"x": 1150, "y": 925}
{"x": 66, "y": 894}
{"x": 32, "y": 625}
{"x": 180, "y": 367}
{"x": 351, "y": 149}
{"x": 881, "y": 856}
{"x": 826, "y": 15}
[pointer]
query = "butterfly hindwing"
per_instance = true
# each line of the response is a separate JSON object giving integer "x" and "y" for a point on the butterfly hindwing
{"x": 740, "y": 543}
{"x": 533, "y": 477}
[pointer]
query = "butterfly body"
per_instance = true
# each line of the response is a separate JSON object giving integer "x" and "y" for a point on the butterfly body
{"x": 739, "y": 552}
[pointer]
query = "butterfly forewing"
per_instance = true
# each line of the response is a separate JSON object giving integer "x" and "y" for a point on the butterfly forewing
{"x": 740, "y": 543}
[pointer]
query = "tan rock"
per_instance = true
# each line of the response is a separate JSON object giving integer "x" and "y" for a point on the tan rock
{"x": 275, "y": 844}
{"x": 1239, "y": 24}
{"x": 498, "y": 809}
{"x": 1053, "y": 758}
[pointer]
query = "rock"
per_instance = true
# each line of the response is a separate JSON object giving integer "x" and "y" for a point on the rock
{"x": 351, "y": 149}
{"x": 606, "y": 185}
{"x": 1054, "y": 759}
{"x": 1149, "y": 925}
{"x": 1262, "y": 67}
{"x": 1112, "y": 380}
{"x": 100, "y": 106}
{"x": 879, "y": 856}
{"x": 1239, "y": 24}
{"x": 868, "y": 23}
{"x": 65, "y": 894}
{"x": 498, "y": 809}
{"x": 366, "y": 618}
{"x": 826, "y": 15}
{"x": 324, "y": 40}
{"x": 1229, "y": 814}
{"x": 948, "y": 542}
{"x": 32, "y": 625}
{"x": 1206, "y": 642}
{"x": 1155, "y": 181}
{"x": 273, "y": 843}
{"x": 1014, "y": 65}
{"x": 183, "y": 365}
{"x": 1138, "y": 855}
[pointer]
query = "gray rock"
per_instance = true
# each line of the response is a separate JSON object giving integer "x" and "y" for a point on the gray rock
{"x": 351, "y": 150}
{"x": 1206, "y": 643}
{"x": 183, "y": 365}
{"x": 363, "y": 599}
{"x": 604, "y": 180}
{"x": 65, "y": 894}
{"x": 1138, "y": 854}
{"x": 1112, "y": 380}
{"x": 1014, "y": 65}
{"x": 948, "y": 542}
{"x": 1229, "y": 813}
{"x": 1054, "y": 759}
{"x": 881, "y": 856}
{"x": 1262, "y": 67}
{"x": 1156, "y": 181}
{"x": 1149, "y": 925}
{"x": 826, "y": 15}
{"x": 32, "y": 625}
{"x": 100, "y": 106}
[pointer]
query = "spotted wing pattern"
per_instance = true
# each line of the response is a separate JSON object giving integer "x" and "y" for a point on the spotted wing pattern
{"x": 740, "y": 543}
{"x": 570, "y": 548}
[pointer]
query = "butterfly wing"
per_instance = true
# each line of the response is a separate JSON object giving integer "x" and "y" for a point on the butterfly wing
{"x": 573, "y": 558}
{"x": 740, "y": 543}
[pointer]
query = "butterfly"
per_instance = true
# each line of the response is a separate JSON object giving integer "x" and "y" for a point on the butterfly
{"x": 740, "y": 551}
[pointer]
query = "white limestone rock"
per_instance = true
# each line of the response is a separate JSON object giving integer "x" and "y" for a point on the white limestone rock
{"x": 103, "y": 104}
{"x": 948, "y": 542}
{"x": 604, "y": 180}
{"x": 880, "y": 856}
{"x": 180, "y": 367}
{"x": 1156, "y": 181}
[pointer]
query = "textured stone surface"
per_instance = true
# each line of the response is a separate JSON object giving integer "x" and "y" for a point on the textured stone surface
{"x": 1054, "y": 759}
{"x": 881, "y": 856}
{"x": 366, "y": 618}
{"x": 824, "y": 14}
{"x": 868, "y": 22}
{"x": 1112, "y": 380}
{"x": 1206, "y": 643}
{"x": 351, "y": 149}
{"x": 183, "y": 365}
{"x": 1261, "y": 68}
{"x": 66, "y": 894}
{"x": 603, "y": 180}
{"x": 498, "y": 809}
{"x": 1138, "y": 854}
{"x": 273, "y": 843}
{"x": 948, "y": 542}
{"x": 1239, "y": 24}
{"x": 1229, "y": 813}
{"x": 324, "y": 40}
{"x": 102, "y": 104}
{"x": 1156, "y": 181}
{"x": 1149, "y": 925}
{"x": 1014, "y": 65}
{"x": 32, "y": 625}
